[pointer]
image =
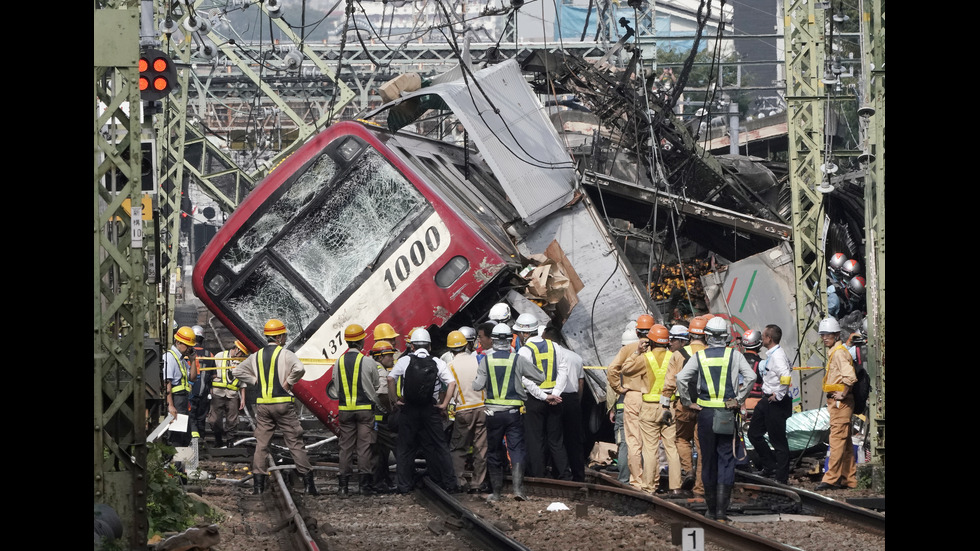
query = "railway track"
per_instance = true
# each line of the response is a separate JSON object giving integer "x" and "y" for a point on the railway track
{"x": 598, "y": 511}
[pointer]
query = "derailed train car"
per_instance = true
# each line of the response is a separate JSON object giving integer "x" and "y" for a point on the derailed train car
{"x": 366, "y": 225}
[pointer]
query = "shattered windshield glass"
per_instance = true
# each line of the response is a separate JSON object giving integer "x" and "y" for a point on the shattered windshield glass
{"x": 299, "y": 194}
{"x": 267, "y": 293}
{"x": 350, "y": 226}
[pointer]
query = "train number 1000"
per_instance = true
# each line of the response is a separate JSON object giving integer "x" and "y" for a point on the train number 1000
{"x": 416, "y": 257}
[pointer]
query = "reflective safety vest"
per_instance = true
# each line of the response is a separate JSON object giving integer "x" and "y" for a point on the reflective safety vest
{"x": 350, "y": 379}
{"x": 544, "y": 359}
{"x": 838, "y": 386}
{"x": 222, "y": 375}
{"x": 658, "y": 371}
{"x": 714, "y": 364}
{"x": 500, "y": 371}
{"x": 184, "y": 367}
{"x": 272, "y": 390}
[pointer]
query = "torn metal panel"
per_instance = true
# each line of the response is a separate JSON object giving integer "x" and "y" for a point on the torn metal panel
{"x": 512, "y": 131}
{"x": 610, "y": 297}
{"x": 760, "y": 290}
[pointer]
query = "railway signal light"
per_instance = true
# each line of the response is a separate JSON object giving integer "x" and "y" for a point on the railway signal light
{"x": 158, "y": 75}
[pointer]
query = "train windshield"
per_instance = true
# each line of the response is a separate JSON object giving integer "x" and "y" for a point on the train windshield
{"x": 322, "y": 229}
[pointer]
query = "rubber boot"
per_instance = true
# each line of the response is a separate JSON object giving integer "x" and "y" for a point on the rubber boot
{"x": 724, "y": 500}
{"x": 711, "y": 500}
{"x": 517, "y": 476}
{"x": 342, "y": 485}
{"x": 219, "y": 440}
{"x": 259, "y": 483}
{"x": 496, "y": 484}
{"x": 366, "y": 484}
{"x": 309, "y": 483}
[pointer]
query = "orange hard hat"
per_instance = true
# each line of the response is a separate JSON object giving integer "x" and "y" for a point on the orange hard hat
{"x": 659, "y": 334}
{"x": 354, "y": 333}
{"x": 274, "y": 327}
{"x": 697, "y": 325}
{"x": 645, "y": 321}
{"x": 382, "y": 347}
{"x": 384, "y": 331}
{"x": 186, "y": 335}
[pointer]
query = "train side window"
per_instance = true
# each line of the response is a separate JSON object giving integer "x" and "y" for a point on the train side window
{"x": 453, "y": 270}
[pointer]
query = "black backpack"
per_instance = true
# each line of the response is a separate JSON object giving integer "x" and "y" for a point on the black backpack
{"x": 862, "y": 388}
{"x": 419, "y": 381}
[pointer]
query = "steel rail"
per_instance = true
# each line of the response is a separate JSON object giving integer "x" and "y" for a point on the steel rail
{"x": 299, "y": 536}
{"x": 662, "y": 510}
{"x": 838, "y": 511}
{"x": 477, "y": 529}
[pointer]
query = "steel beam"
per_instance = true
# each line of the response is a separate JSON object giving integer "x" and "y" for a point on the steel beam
{"x": 120, "y": 290}
{"x": 804, "y": 39}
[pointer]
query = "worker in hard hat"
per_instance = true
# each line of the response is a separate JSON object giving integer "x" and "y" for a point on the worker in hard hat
{"x": 469, "y": 430}
{"x": 838, "y": 380}
{"x": 655, "y": 419}
{"x": 687, "y": 342}
{"x": 708, "y": 383}
{"x": 420, "y": 427}
{"x": 384, "y": 354}
{"x": 543, "y": 421}
{"x": 385, "y": 332}
{"x": 614, "y": 404}
{"x": 227, "y": 395}
{"x": 279, "y": 369}
{"x": 179, "y": 373}
{"x": 631, "y": 385}
{"x": 200, "y": 390}
{"x": 355, "y": 386}
{"x": 505, "y": 377}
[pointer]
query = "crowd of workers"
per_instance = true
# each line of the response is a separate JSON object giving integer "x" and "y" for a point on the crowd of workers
{"x": 506, "y": 398}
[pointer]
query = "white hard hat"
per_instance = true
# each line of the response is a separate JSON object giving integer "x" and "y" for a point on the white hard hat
{"x": 629, "y": 337}
{"x": 500, "y": 312}
{"x": 420, "y": 336}
{"x": 198, "y": 330}
{"x": 501, "y": 331}
{"x": 526, "y": 323}
{"x": 717, "y": 327}
{"x": 828, "y": 325}
{"x": 679, "y": 332}
{"x": 468, "y": 332}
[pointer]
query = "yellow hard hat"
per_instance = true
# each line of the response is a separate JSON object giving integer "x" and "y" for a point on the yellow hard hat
{"x": 241, "y": 347}
{"x": 274, "y": 327}
{"x": 354, "y": 333}
{"x": 186, "y": 335}
{"x": 456, "y": 339}
{"x": 384, "y": 331}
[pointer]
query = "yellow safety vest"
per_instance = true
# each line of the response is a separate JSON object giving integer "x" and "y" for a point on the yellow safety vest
{"x": 272, "y": 390}
{"x": 716, "y": 392}
{"x": 183, "y": 366}
{"x": 544, "y": 358}
{"x": 658, "y": 371}
{"x": 502, "y": 394}
{"x": 224, "y": 373}
{"x": 351, "y": 390}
